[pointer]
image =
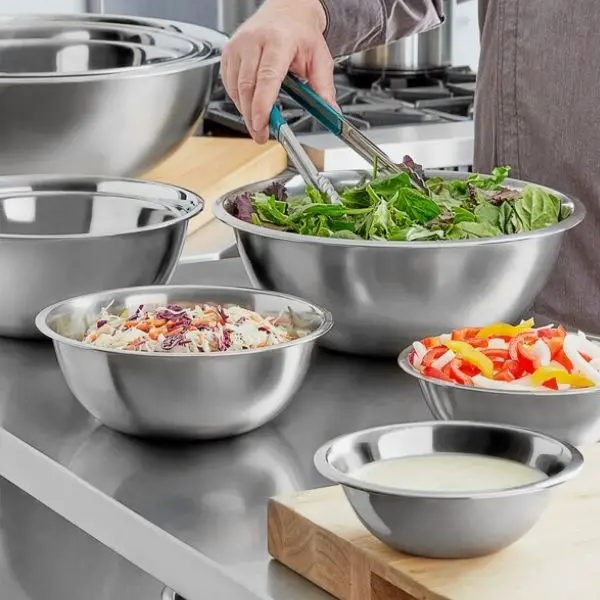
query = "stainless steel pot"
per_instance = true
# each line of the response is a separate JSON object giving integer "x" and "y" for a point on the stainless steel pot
{"x": 422, "y": 52}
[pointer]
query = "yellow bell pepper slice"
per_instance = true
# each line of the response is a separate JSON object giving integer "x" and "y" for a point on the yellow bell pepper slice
{"x": 505, "y": 329}
{"x": 543, "y": 374}
{"x": 472, "y": 356}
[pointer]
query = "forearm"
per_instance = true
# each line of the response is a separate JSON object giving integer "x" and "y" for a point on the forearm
{"x": 354, "y": 25}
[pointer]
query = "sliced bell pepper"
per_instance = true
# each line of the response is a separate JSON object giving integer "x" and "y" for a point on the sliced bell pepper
{"x": 561, "y": 358}
{"x": 433, "y": 355}
{"x": 518, "y": 350}
{"x": 454, "y": 369}
{"x": 430, "y": 342}
{"x": 505, "y": 329}
{"x": 436, "y": 374}
{"x": 544, "y": 374}
{"x": 496, "y": 354}
{"x": 464, "y": 334}
{"x": 551, "y": 384}
{"x": 473, "y": 356}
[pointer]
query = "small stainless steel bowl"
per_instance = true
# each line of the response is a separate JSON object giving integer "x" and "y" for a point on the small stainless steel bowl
{"x": 383, "y": 295}
{"x": 448, "y": 525}
{"x": 181, "y": 395}
{"x": 571, "y": 415}
{"x": 65, "y": 236}
{"x": 97, "y": 115}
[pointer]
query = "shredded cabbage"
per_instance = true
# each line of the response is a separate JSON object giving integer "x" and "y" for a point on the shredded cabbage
{"x": 199, "y": 329}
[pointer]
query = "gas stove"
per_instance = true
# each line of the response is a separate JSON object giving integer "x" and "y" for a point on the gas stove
{"x": 369, "y": 102}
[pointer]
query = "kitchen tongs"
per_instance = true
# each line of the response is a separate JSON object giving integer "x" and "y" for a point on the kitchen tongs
{"x": 336, "y": 123}
{"x": 285, "y": 136}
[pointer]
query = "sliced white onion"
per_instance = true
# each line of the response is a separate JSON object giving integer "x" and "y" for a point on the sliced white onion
{"x": 563, "y": 387}
{"x": 551, "y": 326}
{"x": 595, "y": 362}
{"x": 587, "y": 346}
{"x": 445, "y": 337}
{"x": 526, "y": 381}
{"x": 443, "y": 360}
{"x": 541, "y": 350}
{"x": 573, "y": 345}
{"x": 492, "y": 384}
{"x": 497, "y": 344}
{"x": 420, "y": 349}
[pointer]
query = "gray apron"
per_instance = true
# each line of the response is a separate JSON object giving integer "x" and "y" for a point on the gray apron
{"x": 537, "y": 110}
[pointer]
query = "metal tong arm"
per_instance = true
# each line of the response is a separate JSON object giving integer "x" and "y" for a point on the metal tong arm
{"x": 285, "y": 136}
{"x": 336, "y": 123}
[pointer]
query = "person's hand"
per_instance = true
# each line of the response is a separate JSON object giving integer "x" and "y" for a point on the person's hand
{"x": 282, "y": 36}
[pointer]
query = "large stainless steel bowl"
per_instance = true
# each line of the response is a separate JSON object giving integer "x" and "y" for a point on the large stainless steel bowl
{"x": 384, "y": 295}
{"x": 181, "y": 395}
{"x": 448, "y": 524}
{"x": 62, "y": 47}
{"x": 66, "y": 236}
{"x": 571, "y": 415}
{"x": 117, "y": 122}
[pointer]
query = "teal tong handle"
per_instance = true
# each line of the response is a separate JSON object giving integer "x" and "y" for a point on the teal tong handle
{"x": 276, "y": 121}
{"x": 314, "y": 104}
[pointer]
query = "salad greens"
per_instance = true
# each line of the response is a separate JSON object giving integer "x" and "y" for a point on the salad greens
{"x": 407, "y": 206}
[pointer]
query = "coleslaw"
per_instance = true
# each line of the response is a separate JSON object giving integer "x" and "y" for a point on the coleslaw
{"x": 201, "y": 328}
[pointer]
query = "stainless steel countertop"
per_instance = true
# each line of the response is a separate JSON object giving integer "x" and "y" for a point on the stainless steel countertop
{"x": 191, "y": 515}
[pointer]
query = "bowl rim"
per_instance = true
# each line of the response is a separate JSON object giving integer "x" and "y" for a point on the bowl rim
{"x": 221, "y": 213}
{"x": 324, "y": 327}
{"x": 328, "y": 471}
{"x": 410, "y": 370}
{"x": 206, "y": 36}
{"x": 7, "y": 193}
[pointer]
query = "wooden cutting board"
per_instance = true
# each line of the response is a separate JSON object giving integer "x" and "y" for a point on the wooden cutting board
{"x": 213, "y": 166}
{"x": 316, "y": 534}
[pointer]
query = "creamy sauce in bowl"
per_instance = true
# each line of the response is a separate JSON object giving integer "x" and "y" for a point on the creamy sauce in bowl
{"x": 448, "y": 472}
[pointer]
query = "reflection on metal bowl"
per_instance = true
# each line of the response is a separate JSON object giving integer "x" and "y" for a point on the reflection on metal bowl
{"x": 118, "y": 122}
{"x": 66, "y": 236}
{"x": 384, "y": 295}
{"x": 572, "y": 415}
{"x": 177, "y": 395}
{"x": 448, "y": 524}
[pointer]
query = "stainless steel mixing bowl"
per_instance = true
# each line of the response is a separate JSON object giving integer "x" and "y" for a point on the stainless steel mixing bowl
{"x": 62, "y": 47}
{"x": 384, "y": 295}
{"x": 120, "y": 122}
{"x": 571, "y": 415}
{"x": 66, "y": 236}
{"x": 444, "y": 524}
{"x": 181, "y": 395}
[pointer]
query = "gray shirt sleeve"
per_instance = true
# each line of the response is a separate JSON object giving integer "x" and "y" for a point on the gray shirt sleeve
{"x": 354, "y": 25}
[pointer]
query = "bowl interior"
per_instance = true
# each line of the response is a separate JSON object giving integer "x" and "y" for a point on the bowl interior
{"x": 51, "y": 206}
{"x": 44, "y": 57}
{"x": 349, "y": 453}
{"x": 74, "y": 213}
{"x": 72, "y": 318}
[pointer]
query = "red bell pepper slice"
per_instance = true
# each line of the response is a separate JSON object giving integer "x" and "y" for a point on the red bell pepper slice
{"x": 517, "y": 350}
{"x": 456, "y": 370}
{"x": 432, "y": 355}
{"x": 436, "y": 374}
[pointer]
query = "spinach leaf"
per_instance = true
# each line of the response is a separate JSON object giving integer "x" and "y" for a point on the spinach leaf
{"x": 388, "y": 186}
{"x": 417, "y": 206}
{"x": 270, "y": 209}
{"x": 493, "y": 182}
{"x": 470, "y": 230}
{"x": 418, "y": 232}
{"x": 462, "y": 214}
{"x": 508, "y": 221}
{"x": 537, "y": 208}
{"x": 486, "y": 212}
